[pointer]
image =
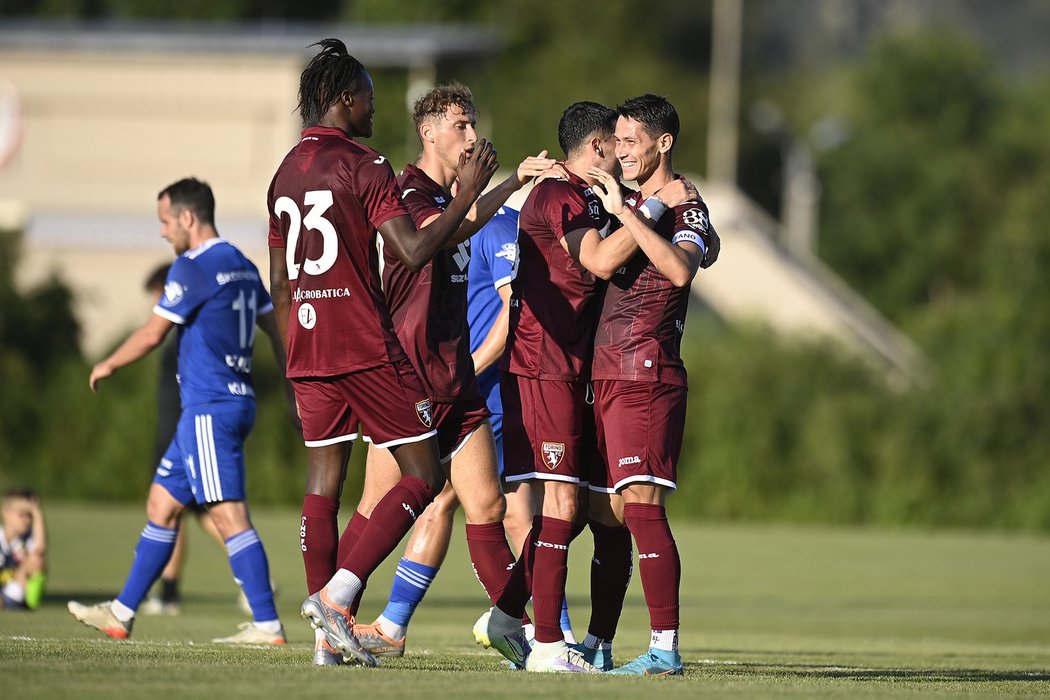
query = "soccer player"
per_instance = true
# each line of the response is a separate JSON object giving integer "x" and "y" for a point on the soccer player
{"x": 168, "y": 602}
{"x": 639, "y": 379}
{"x": 327, "y": 200}
{"x": 564, "y": 248}
{"x": 429, "y": 311}
{"x": 23, "y": 550}
{"x": 215, "y": 296}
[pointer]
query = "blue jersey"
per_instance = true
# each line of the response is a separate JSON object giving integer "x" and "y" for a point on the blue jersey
{"x": 493, "y": 255}
{"x": 214, "y": 294}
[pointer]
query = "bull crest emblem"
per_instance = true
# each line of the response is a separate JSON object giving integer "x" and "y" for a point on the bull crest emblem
{"x": 553, "y": 453}
{"x": 423, "y": 410}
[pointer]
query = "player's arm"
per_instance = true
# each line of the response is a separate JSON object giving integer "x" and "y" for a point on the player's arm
{"x": 495, "y": 342}
{"x": 601, "y": 256}
{"x": 604, "y": 255}
{"x": 139, "y": 344}
{"x": 281, "y": 296}
{"x": 489, "y": 203}
{"x": 39, "y": 528}
{"x": 268, "y": 324}
{"x": 678, "y": 262}
{"x": 415, "y": 248}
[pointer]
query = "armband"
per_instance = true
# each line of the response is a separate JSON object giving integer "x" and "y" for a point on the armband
{"x": 690, "y": 237}
{"x": 653, "y": 208}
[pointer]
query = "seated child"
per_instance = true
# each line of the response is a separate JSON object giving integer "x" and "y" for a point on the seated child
{"x": 23, "y": 550}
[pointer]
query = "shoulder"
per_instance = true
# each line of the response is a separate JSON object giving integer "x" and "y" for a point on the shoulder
{"x": 554, "y": 191}
{"x": 693, "y": 215}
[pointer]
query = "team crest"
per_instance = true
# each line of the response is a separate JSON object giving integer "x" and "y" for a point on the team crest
{"x": 553, "y": 453}
{"x": 423, "y": 410}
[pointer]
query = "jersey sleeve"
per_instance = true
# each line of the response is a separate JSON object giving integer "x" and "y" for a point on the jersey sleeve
{"x": 691, "y": 225}
{"x": 500, "y": 247}
{"x": 565, "y": 209}
{"x": 420, "y": 205}
{"x": 185, "y": 291}
{"x": 377, "y": 187}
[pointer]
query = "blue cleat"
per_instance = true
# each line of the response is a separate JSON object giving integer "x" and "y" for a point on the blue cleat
{"x": 655, "y": 662}
{"x": 601, "y": 659}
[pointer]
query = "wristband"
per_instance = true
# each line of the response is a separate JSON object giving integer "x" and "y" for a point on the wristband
{"x": 653, "y": 208}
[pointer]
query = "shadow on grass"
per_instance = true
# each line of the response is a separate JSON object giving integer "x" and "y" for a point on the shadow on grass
{"x": 835, "y": 672}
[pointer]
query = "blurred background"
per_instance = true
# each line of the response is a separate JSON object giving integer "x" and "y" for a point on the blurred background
{"x": 873, "y": 346}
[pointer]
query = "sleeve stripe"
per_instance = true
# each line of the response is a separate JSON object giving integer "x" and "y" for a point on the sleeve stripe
{"x": 496, "y": 284}
{"x": 164, "y": 313}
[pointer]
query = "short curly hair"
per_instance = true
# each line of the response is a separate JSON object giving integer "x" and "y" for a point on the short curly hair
{"x": 435, "y": 101}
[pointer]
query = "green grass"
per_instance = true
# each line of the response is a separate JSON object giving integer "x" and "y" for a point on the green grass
{"x": 766, "y": 611}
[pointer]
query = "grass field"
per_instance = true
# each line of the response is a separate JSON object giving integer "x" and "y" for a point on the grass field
{"x": 786, "y": 612}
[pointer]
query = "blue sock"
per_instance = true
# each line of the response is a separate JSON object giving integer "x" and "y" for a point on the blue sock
{"x": 566, "y": 625}
{"x": 411, "y": 581}
{"x": 152, "y": 553}
{"x": 251, "y": 571}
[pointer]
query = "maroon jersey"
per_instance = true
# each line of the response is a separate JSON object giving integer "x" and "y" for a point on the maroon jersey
{"x": 553, "y": 305}
{"x": 429, "y": 307}
{"x": 326, "y": 200}
{"x": 639, "y": 334}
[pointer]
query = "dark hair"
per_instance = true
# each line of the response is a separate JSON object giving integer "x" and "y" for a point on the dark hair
{"x": 329, "y": 73}
{"x": 435, "y": 101}
{"x": 193, "y": 194}
{"x": 580, "y": 121}
{"x": 656, "y": 115}
{"x": 158, "y": 277}
{"x": 19, "y": 492}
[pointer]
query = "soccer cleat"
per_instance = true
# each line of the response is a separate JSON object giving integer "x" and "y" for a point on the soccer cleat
{"x": 156, "y": 606}
{"x": 502, "y": 633}
{"x": 325, "y": 655}
{"x": 601, "y": 659}
{"x": 564, "y": 660}
{"x": 337, "y": 625}
{"x": 252, "y": 634}
{"x": 101, "y": 617}
{"x": 655, "y": 662}
{"x": 374, "y": 640}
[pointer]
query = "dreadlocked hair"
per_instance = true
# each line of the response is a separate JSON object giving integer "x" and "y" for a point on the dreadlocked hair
{"x": 328, "y": 74}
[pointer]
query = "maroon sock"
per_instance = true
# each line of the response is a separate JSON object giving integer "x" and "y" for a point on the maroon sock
{"x": 490, "y": 556}
{"x": 391, "y": 519}
{"x": 550, "y": 569}
{"x": 658, "y": 562}
{"x": 318, "y": 537}
{"x": 610, "y": 575}
{"x": 352, "y": 533}
{"x": 518, "y": 589}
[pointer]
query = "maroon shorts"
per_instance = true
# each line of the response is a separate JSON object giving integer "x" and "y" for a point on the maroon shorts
{"x": 456, "y": 422}
{"x": 387, "y": 401}
{"x": 543, "y": 428}
{"x": 640, "y": 429}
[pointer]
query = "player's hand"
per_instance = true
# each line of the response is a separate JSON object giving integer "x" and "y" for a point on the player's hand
{"x": 607, "y": 189}
{"x": 476, "y": 169}
{"x": 534, "y": 166}
{"x": 98, "y": 373}
{"x": 714, "y": 246}
{"x": 557, "y": 171}
{"x": 678, "y": 191}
